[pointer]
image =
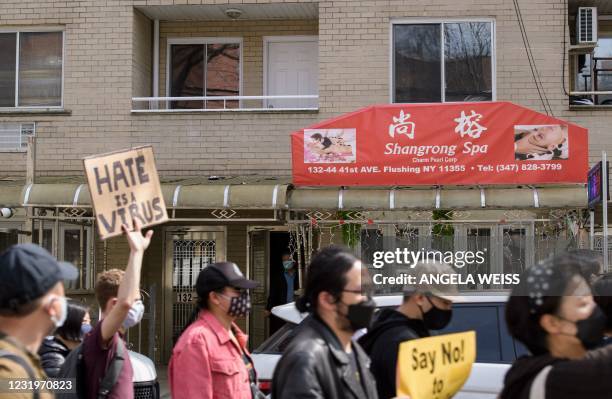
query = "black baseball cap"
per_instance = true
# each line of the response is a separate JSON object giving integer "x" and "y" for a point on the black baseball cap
{"x": 27, "y": 272}
{"x": 226, "y": 274}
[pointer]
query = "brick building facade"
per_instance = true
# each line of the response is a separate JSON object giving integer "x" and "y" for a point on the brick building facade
{"x": 116, "y": 51}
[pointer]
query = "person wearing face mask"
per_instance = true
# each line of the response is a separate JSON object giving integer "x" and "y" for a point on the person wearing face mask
{"x": 210, "y": 359}
{"x": 32, "y": 306}
{"x": 602, "y": 293}
{"x": 553, "y": 313}
{"x": 118, "y": 296}
{"x": 425, "y": 307}
{"x": 283, "y": 287}
{"x": 55, "y": 349}
{"x": 322, "y": 361}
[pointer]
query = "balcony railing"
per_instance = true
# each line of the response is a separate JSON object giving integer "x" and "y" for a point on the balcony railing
{"x": 225, "y": 103}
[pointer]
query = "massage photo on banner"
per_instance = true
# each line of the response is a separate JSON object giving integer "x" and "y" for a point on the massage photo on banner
{"x": 540, "y": 142}
{"x": 330, "y": 145}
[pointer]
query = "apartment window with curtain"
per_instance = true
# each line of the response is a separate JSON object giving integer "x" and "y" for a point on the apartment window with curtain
{"x": 443, "y": 61}
{"x": 204, "y": 67}
{"x": 31, "y": 65}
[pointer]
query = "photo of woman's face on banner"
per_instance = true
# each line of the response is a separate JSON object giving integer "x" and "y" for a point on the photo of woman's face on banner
{"x": 540, "y": 142}
{"x": 330, "y": 145}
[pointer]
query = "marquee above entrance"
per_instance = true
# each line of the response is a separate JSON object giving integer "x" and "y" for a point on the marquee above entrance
{"x": 440, "y": 144}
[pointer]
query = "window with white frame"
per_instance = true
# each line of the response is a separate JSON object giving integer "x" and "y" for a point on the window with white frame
{"x": 443, "y": 61}
{"x": 14, "y": 136}
{"x": 31, "y": 65}
{"x": 204, "y": 67}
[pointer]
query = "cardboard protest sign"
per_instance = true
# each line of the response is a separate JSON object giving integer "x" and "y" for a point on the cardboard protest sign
{"x": 435, "y": 367}
{"x": 124, "y": 186}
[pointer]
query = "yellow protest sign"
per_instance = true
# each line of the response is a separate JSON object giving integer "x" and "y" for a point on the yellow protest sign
{"x": 435, "y": 367}
{"x": 124, "y": 186}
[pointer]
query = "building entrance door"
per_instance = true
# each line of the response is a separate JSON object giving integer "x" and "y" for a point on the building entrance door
{"x": 188, "y": 251}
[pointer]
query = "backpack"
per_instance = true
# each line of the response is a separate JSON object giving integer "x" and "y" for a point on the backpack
{"x": 74, "y": 368}
{"x": 20, "y": 361}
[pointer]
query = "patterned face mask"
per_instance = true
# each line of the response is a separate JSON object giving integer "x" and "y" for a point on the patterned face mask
{"x": 239, "y": 305}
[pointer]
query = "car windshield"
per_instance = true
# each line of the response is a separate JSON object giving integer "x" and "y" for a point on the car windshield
{"x": 278, "y": 341}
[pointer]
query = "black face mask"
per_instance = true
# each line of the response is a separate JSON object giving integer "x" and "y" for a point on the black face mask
{"x": 591, "y": 330}
{"x": 435, "y": 318}
{"x": 360, "y": 314}
{"x": 240, "y": 305}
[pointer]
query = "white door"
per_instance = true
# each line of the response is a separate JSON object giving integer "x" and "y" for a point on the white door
{"x": 292, "y": 69}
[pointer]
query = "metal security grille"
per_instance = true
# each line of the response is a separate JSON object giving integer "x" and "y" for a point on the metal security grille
{"x": 190, "y": 256}
{"x": 509, "y": 241}
{"x": 146, "y": 390}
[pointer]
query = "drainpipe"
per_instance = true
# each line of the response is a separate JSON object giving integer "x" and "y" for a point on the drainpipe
{"x": 155, "y": 104}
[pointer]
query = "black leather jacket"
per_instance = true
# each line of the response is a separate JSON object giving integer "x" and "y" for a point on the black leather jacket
{"x": 314, "y": 365}
{"x": 52, "y": 354}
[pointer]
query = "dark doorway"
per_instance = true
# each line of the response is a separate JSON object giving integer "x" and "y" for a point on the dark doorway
{"x": 277, "y": 294}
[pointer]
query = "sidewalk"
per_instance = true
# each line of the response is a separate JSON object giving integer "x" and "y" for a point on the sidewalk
{"x": 162, "y": 377}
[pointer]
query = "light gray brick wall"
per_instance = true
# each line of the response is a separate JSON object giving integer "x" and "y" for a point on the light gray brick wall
{"x": 108, "y": 59}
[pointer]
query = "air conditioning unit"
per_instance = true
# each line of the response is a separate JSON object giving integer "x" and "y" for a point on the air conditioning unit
{"x": 586, "y": 25}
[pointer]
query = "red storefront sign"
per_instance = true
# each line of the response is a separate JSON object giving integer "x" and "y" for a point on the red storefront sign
{"x": 431, "y": 144}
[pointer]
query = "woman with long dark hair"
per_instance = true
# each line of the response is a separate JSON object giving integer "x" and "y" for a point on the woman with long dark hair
{"x": 210, "y": 359}
{"x": 55, "y": 349}
{"x": 553, "y": 313}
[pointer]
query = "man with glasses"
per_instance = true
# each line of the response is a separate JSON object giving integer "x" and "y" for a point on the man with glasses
{"x": 322, "y": 361}
{"x": 425, "y": 307}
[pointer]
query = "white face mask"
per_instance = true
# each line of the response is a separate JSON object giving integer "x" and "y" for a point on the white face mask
{"x": 58, "y": 320}
{"x": 135, "y": 314}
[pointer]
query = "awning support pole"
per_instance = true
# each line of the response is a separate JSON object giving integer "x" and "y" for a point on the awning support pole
{"x": 591, "y": 229}
{"x": 604, "y": 205}
{"x": 30, "y": 173}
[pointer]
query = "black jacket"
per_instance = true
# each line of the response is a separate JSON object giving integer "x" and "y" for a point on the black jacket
{"x": 584, "y": 378}
{"x": 52, "y": 354}
{"x": 279, "y": 296}
{"x": 381, "y": 343}
{"x": 314, "y": 365}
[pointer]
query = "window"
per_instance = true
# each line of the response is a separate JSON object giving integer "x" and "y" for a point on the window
{"x": 8, "y": 237}
{"x": 443, "y": 62}
{"x": 278, "y": 342}
{"x": 598, "y": 64}
{"x": 483, "y": 319}
{"x": 73, "y": 249}
{"x": 47, "y": 238}
{"x": 31, "y": 69}
{"x": 204, "y": 67}
{"x": 14, "y": 136}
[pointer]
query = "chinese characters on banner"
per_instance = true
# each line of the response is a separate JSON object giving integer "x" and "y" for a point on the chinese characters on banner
{"x": 431, "y": 144}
